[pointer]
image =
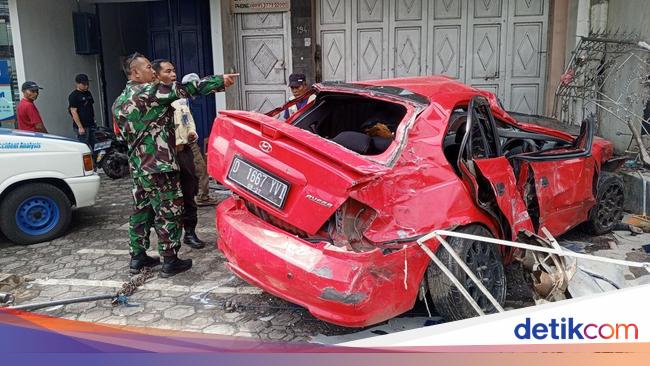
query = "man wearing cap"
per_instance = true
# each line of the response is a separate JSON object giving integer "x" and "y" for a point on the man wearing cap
{"x": 298, "y": 86}
{"x": 29, "y": 119}
{"x": 80, "y": 106}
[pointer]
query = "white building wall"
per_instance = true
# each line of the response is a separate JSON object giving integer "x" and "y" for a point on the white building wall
{"x": 44, "y": 45}
{"x": 629, "y": 16}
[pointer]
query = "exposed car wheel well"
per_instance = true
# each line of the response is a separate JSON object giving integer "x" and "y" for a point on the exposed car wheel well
{"x": 58, "y": 183}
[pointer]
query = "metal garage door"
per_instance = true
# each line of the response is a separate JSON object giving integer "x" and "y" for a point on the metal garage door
{"x": 498, "y": 45}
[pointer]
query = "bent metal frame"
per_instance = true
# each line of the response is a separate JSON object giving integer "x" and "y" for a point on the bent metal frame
{"x": 555, "y": 249}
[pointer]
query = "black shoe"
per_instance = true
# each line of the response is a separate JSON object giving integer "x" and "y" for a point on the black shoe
{"x": 174, "y": 265}
{"x": 142, "y": 260}
{"x": 192, "y": 240}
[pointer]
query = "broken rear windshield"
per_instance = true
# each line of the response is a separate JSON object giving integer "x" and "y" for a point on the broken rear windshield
{"x": 388, "y": 90}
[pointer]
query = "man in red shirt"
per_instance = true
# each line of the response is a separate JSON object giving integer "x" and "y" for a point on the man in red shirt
{"x": 28, "y": 117}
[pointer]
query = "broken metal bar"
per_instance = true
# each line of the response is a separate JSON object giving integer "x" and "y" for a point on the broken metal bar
{"x": 451, "y": 277}
{"x": 551, "y": 239}
{"x": 556, "y": 249}
{"x": 47, "y": 304}
{"x": 609, "y": 40}
{"x": 643, "y": 153}
{"x": 128, "y": 289}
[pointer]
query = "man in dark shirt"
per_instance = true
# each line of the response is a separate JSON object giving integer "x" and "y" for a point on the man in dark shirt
{"x": 29, "y": 119}
{"x": 80, "y": 105}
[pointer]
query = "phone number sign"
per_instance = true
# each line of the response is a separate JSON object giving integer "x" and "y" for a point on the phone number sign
{"x": 259, "y": 6}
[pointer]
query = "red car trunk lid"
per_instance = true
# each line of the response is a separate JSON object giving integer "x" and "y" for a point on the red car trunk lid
{"x": 318, "y": 172}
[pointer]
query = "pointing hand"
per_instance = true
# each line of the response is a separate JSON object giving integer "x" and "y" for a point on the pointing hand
{"x": 229, "y": 79}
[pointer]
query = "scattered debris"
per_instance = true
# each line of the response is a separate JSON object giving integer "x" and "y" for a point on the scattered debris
{"x": 635, "y": 230}
{"x": 639, "y": 222}
{"x": 203, "y": 296}
{"x": 267, "y": 318}
{"x": 6, "y": 298}
{"x": 9, "y": 281}
{"x": 621, "y": 226}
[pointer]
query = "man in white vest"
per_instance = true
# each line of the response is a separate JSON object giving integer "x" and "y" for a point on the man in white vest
{"x": 298, "y": 86}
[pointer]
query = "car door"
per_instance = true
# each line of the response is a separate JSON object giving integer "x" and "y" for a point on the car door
{"x": 489, "y": 175}
{"x": 564, "y": 182}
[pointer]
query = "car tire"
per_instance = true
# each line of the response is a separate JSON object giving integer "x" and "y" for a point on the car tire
{"x": 448, "y": 301}
{"x": 608, "y": 210}
{"x": 34, "y": 213}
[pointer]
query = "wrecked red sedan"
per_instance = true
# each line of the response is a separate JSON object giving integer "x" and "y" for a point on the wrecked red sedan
{"x": 327, "y": 205}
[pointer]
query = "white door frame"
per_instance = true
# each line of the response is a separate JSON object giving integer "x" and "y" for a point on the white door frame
{"x": 239, "y": 52}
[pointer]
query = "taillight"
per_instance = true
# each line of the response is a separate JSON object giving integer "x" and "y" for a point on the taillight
{"x": 88, "y": 162}
{"x": 350, "y": 222}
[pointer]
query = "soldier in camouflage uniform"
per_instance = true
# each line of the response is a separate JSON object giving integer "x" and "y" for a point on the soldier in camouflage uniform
{"x": 143, "y": 118}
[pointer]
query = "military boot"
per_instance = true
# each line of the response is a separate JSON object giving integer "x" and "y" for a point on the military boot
{"x": 174, "y": 265}
{"x": 192, "y": 240}
{"x": 142, "y": 260}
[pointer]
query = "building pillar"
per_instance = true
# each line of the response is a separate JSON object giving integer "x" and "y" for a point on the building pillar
{"x": 559, "y": 13}
{"x": 302, "y": 38}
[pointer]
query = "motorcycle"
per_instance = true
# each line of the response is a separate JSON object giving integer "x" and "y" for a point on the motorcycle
{"x": 111, "y": 154}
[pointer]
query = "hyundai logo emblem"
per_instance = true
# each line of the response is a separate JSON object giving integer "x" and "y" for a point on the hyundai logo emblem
{"x": 266, "y": 146}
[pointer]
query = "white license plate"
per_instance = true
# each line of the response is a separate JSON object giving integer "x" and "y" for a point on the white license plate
{"x": 259, "y": 182}
{"x": 102, "y": 145}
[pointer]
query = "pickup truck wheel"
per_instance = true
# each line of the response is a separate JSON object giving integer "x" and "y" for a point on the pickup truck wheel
{"x": 608, "y": 210}
{"x": 485, "y": 261}
{"x": 34, "y": 213}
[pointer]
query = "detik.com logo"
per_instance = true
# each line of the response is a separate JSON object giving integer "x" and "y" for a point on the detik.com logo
{"x": 569, "y": 328}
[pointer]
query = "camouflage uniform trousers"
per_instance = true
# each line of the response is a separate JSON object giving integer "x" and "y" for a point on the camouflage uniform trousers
{"x": 201, "y": 171}
{"x": 158, "y": 202}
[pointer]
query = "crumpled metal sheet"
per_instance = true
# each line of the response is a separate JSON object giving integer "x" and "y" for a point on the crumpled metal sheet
{"x": 550, "y": 273}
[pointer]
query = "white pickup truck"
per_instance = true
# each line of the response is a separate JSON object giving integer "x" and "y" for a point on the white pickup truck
{"x": 41, "y": 177}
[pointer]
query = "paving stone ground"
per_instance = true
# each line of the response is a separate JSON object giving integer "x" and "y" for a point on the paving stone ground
{"x": 92, "y": 258}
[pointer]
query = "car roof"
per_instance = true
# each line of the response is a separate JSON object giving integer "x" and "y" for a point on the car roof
{"x": 442, "y": 90}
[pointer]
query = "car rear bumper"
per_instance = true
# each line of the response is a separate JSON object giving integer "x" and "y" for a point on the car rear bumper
{"x": 341, "y": 287}
{"x": 85, "y": 189}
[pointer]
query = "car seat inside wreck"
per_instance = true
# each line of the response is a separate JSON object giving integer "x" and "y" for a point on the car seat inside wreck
{"x": 361, "y": 124}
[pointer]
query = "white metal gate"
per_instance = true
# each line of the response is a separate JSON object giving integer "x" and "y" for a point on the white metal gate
{"x": 498, "y": 45}
{"x": 264, "y": 56}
